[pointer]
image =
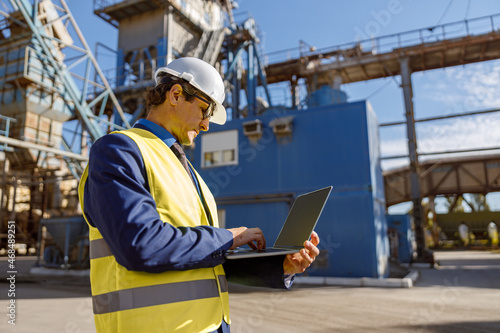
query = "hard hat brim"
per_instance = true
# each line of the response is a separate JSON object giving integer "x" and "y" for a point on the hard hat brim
{"x": 220, "y": 116}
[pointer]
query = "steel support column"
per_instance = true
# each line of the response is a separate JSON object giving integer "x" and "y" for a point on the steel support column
{"x": 251, "y": 85}
{"x": 234, "y": 104}
{"x": 3, "y": 189}
{"x": 412, "y": 150}
{"x": 435, "y": 227}
{"x": 167, "y": 33}
{"x": 294, "y": 89}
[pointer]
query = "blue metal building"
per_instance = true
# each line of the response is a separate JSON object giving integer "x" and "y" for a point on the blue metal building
{"x": 257, "y": 165}
{"x": 401, "y": 226}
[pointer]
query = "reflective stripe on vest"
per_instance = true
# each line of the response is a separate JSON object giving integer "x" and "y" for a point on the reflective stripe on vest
{"x": 99, "y": 249}
{"x": 157, "y": 295}
{"x": 150, "y": 295}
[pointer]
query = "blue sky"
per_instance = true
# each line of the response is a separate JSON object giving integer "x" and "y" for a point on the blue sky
{"x": 325, "y": 23}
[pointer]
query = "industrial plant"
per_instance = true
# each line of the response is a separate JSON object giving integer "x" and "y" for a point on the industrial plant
{"x": 55, "y": 101}
{"x": 291, "y": 129}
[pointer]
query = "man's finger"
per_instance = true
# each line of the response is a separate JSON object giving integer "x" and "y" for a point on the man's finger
{"x": 311, "y": 249}
{"x": 256, "y": 239}
{"x": 252, "y": 245}
{"x": 306, "y": 257}
{"x": 261, "y": 240}
{"x": 314, "y": 238}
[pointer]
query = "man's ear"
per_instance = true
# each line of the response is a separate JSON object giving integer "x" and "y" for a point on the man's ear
{"x": 174, "y": 94}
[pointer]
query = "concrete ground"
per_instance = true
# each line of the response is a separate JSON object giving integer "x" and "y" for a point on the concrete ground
{"x": 461, "y": 295}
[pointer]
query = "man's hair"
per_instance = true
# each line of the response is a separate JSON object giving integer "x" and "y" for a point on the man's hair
{"x": 156, "y": 96}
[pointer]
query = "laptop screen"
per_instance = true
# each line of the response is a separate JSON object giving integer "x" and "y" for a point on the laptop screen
{"x": 302, "y": 218}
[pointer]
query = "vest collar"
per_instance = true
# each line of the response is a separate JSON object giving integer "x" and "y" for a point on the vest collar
{"x": 157, "y": 130}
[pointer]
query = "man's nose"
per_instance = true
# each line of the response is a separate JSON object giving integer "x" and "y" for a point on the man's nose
{"x": 205, "y": 124}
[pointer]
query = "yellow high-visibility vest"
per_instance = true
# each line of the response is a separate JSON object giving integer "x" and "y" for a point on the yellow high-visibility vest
{"x": 174, "y": 301}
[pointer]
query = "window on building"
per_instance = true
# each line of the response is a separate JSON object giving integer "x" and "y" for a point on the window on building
{"x": 219, "y": 149}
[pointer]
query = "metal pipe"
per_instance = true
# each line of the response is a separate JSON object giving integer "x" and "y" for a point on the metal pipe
{"x": 12, "y": 215}
{"x": 457, "y": 115}
{"x": 262, "y": 74}
{"x": 459, "y": 151}
{"x": 66, "y": 246}
{"x": 4, "y": 185}
{"x": 392, "y": 124}
{"x": 23, "y": 144}
{"x": 251, "y": 85}
{"x": 441, "y": 117}
{"x": 107, "y": 122}
{"x": 39, "y": 245}
{"x": 394, "y": 157}
{"x": 440, "y": 153}
{"x": 168, "y": 35}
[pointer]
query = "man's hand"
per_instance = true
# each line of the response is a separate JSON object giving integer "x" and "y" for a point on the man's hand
{"x": 253, "y": 237}
{"x": 298, "y": 262}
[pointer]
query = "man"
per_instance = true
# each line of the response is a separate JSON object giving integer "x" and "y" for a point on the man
{"x": 155, "y": 246}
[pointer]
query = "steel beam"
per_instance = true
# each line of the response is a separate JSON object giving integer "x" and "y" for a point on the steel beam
{"x": 23, "y": 144}
{"x": 412, "y": 149}
{"x": 251, "y": 83}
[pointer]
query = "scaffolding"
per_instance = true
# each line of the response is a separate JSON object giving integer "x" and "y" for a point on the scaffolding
{"x": 46, "y": 71}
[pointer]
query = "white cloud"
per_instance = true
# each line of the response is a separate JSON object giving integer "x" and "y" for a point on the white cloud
{"x": 454, "y": 90}
{"x": 474, "y": 86}
{"x": 470, "y": 132}
{"x": 479, "y": 131}
{"x": 394, "y": 164}
{"x": 394, "y": 147}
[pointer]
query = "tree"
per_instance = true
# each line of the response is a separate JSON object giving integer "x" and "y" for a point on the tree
{"x": 454, "y": 203}
{"x": 477, "y": 202}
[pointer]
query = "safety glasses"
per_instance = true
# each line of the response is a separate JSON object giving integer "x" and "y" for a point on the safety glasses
{"x": 209, "y": 111}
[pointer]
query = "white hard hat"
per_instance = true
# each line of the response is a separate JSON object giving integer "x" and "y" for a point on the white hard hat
{"x": 203, "y": 77}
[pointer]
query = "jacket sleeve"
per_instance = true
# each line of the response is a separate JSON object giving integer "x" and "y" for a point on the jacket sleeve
{"x": 117, "y": 201}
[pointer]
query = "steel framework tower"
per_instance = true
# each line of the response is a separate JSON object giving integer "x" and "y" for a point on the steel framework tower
{"x": 153, "y": 33}
{"x": 46, "y": 68}
{"x": 49, "y": 108}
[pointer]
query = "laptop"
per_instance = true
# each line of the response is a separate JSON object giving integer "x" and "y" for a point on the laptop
{"x": 298, "y": 227}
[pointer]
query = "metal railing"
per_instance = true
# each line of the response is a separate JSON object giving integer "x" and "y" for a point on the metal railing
{"x": 194, "y": 10}
{"x": 4, "y": 131}
{"x": 101, "y": 4}
{"x": 389, "y": 43}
